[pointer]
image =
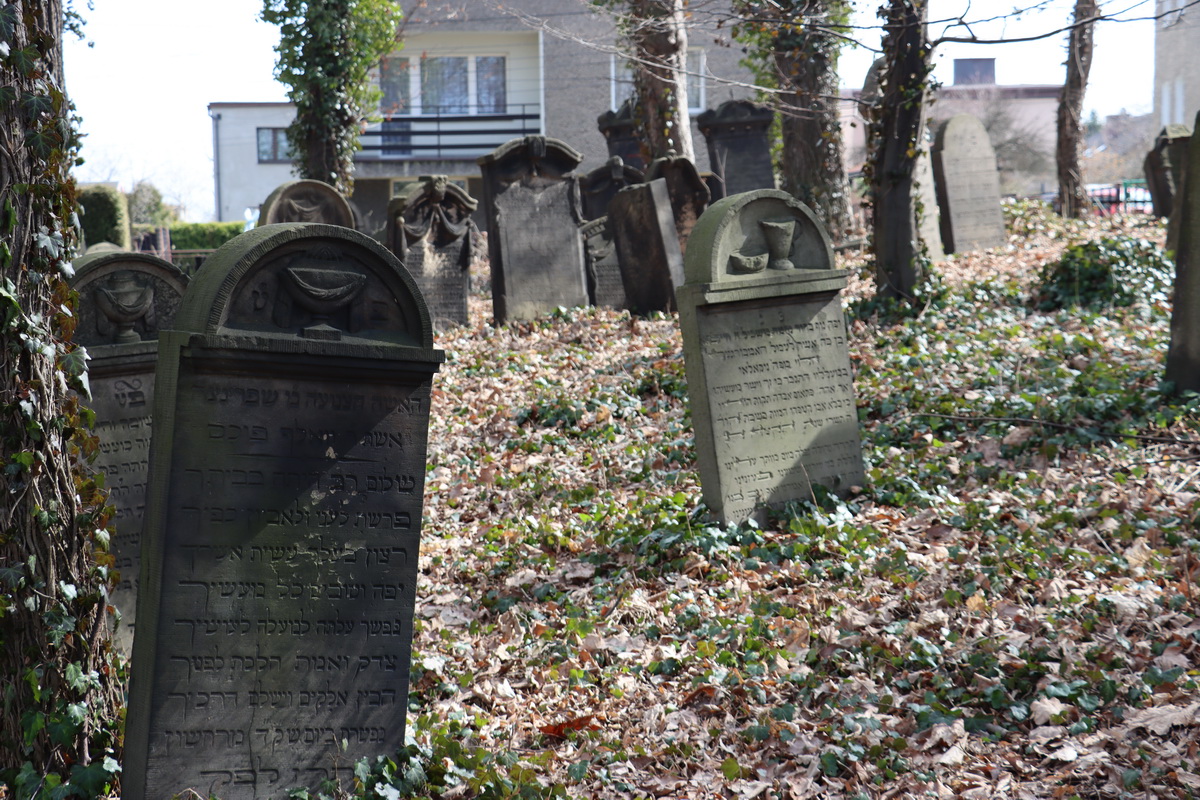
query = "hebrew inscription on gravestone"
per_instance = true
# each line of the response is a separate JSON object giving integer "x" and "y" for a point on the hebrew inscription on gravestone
{"x": 124, "y": 300}
{"x": 768, "y": 368}
{"x": 283, "y": 519}
{"x": 431, "y": 232}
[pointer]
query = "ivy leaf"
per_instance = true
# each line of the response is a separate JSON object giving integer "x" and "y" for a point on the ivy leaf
{"x": 8, "y": 22}
{"x": 24, "y": 61}
{"x": 41, "y": 141}
{"x": 37, "y": 104}
{"x": 75, "y": 364}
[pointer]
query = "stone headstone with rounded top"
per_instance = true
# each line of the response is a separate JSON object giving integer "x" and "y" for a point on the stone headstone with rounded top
{"x": 764, "y": 340}
{"x": 283, "y": 519}
{"x": 600, "y": 185}
{"x": 125, "y": 299}
{"x": 688, "y": 192}
{"x": 968, "y": 186}
{"x": 306, "y": 201}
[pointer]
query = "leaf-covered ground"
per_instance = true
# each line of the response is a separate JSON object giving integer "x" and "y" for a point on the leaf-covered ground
{"x": 1007, "y": 609}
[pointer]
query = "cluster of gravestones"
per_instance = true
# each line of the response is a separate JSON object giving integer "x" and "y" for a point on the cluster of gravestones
{"x": 264, "y": 427}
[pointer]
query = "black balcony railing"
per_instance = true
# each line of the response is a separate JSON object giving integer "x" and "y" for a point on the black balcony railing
{"x": 445, "y": 134}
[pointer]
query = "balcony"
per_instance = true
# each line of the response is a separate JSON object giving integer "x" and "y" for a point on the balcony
{"x": 447, "y": 136}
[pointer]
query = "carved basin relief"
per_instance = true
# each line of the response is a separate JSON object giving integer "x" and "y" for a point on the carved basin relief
{"x": 777, "y": 235}
{"x": 123, "y": 300}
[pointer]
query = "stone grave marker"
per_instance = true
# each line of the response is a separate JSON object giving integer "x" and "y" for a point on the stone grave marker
{"x": 768, "y": 368}
{"x": 431, "y": 232}
{"x": 1172, "y": 145}
{"x": 930, "y": 229}
{"x": 533, "y": 207}
{"x": 605, "y": 286}
{"x": 283, "y": 519}
{"x": 600, "y": 185}
{"x": 620, "y": 135}
{"x": 968, "y": 186}
{"x": 1158, "y": 181}
{"x": 739, "y": 145}
{"x": 1183, "y": 353}
{"x": 306, "y": 201}
{"x": 125, "y": 299}
{"x": 688, "y": 192}
{"x": 647, "y": 246}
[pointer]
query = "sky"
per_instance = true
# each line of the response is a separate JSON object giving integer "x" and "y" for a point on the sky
{"x": 144, "y": 73}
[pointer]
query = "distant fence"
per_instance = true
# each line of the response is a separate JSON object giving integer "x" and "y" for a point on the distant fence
{"x": 1120, "y": 198}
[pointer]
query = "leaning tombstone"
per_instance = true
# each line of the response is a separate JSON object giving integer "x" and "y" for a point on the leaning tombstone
{"x": 739, "y": 145}
{"x": 1172, "y": 145}
{"x": 605, "y": 286}
{"x": 125, "y": 299}
{"x": 968, "y": 186}
{"x": 647, "y": 246}
{"x": 768, "y": 368}
{"x": 620, "y": 135}
{"x": 430, "y": 231}
{"x": 283, "y": 519}
{"x": 536, "y": 250}
{"x": 687, "y": 190}
{"x": 1183, "y": 353}
{"x": 306, "y": 201}
{"x": 598, "y": 187}
{"x": 930, "y": 229}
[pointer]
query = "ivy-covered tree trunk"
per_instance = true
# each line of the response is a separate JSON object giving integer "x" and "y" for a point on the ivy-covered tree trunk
{"x": 59, "y": 689}
{"x": 1072, "y": 193}
{"x": 657, "y": 36}
{"x": 326, "y": 51}
{"x": 896, "y": 128}
{"x": 811, "y": 161}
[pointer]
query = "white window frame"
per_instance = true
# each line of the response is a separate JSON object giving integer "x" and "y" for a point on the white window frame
{"x": 414, "y": 81}
{"x": 697, "y": 101}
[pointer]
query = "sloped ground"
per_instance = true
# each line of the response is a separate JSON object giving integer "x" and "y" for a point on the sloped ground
{"x": 1008, "y": 609}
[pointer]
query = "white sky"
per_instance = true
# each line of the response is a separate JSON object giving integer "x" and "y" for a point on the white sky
{"x": 143, "y": 88}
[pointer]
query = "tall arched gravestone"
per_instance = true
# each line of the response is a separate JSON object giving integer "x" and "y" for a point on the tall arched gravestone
{"x": 283, "y": 519}
{"x": 306, "y": 201}
{"x": 968, "y": 186}
{"x": 430, "y": 231}
{"x": 534, "y": 215}
{"x": 125, "y": 299}
{"x": 764, "y": 341}
{"x": 739, "y": 145}
{"x": 599, "y": 186}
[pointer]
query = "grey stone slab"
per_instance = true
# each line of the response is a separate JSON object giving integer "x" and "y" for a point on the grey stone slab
{"x": 431, "y": 232}
{"x": 931, "y": 218}
{"x": 688, "y": 192}
{"x": 605, "y": 286}
{"x": 647, "y": 246}
{"x": 739, "y": 145}
{"x": 620, "y": 135}
{"x": 1183, "y": 353}
{"x": 306, "y": 201}
{"x": 124, "y": 300}
{"x": 534, "y": 213}
{"x": 1172, "y": 145}
{"x": 283, "y": 519}
{"x": 1158, "y": 182}
{"x": 598, "y": 187}
{"x": 769, "y": 375}
{"x": 968, "y": 185}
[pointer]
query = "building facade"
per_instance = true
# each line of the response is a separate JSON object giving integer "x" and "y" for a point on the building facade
{"x": 1176, "y": 82}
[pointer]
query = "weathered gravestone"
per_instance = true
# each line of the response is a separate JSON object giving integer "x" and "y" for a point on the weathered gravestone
{"x": 968, "y": 186}
{"x": 739, "y": 145}
{"x": 768, "y": 369}
{"x": 647, "y": 246}
{"x": 1173, "y": 144}
{"x": 600, "y": 185}
{"x": 306, "y": 201}
{"x": 688, "y": 192}
{"x": 620, "y": 135}
{"x": 930, "y": 225}
{"x": 283, "y": 519}
{"x": 534, "y": 215}
{"x": 605, "y": 286}
{"x": 125, "y": 299}
{"x": 1158, "y": 181}
{"x": 1183, "y": 354}
{"x": 431, "y": 232}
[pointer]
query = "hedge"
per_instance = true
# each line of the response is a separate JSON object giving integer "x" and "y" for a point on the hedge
{"x": 105, "y": 216}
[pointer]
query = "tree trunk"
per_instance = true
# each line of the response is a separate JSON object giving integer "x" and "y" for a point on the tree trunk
{"x": 811, "y": 160}
{"x": 59, "y": 690}
{"x": 897, "y": 124}
{"x": 1072, "y": 193}
{"x": 657, "y": 35}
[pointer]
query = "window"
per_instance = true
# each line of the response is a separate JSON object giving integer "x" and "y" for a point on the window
{"x": 273, "y": 146}
{"x": 444, "y": 85}
{"x": 622, "y": 81}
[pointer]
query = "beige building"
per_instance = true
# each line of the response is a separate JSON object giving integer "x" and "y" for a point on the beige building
{"x": 470, "y": 76}
{"x": 1176, "y": 79}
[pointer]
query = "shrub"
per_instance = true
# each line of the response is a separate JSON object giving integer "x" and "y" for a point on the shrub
{"x": 1115, "y": 271}
{"x": 203, "y": 235}
{"x": 105, "y": 216}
